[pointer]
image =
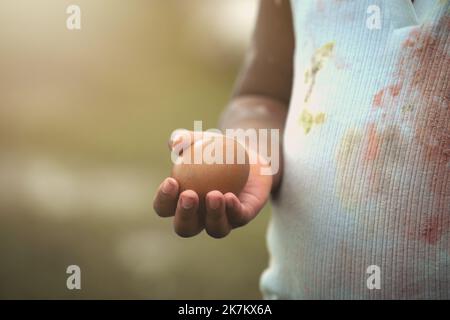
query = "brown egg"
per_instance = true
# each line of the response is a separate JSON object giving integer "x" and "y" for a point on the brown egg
{"x": 228, "y": 176}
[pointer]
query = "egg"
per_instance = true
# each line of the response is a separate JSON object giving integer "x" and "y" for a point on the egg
{"x": 222, "y": 164}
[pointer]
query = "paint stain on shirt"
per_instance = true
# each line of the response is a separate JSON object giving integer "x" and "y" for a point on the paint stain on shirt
{"x": 309, "y": 115}
{"x": 402, "y": 160}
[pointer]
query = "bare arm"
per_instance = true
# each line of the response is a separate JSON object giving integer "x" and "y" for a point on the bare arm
{"x": 260, "y": 100}
{"x": 265, "y": 81}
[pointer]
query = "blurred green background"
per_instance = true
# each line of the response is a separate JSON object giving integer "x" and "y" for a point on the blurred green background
{"x": 84, "y": 120}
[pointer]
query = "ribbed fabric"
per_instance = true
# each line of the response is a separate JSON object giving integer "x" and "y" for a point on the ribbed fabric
{"x": 367, "y": 155}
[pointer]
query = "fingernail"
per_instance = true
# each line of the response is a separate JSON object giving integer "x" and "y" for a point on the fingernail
{"x": 168, "y": 187}
{"x": 187, "y": 203}
{"x": 214, "y": 203}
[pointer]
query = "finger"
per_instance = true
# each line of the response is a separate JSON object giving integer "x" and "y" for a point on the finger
{"x": 165, "y": 201}
{"x": 216, "y": 221}
{"x": 187, "y": 221}
{"x": 238, "y": 215}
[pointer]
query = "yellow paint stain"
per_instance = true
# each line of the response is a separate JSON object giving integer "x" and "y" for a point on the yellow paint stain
{"x": 348, "y": 191}
{"x": 317, "y": 62}
{"x": 320, "y": 118}
{"x": 367, "y": 160}
{"x": 407, "y": 108}
{"x": 308, "y": 119}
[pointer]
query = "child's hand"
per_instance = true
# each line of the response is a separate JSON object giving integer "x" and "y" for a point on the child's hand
{"x": 223, "y": 211}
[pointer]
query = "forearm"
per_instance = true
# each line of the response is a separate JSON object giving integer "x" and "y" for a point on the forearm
{"x": 262, "y": 92}
{"x": 257, "y": 112}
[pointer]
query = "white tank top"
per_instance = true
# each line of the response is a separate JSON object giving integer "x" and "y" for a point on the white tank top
{"x": 363, "y": 211}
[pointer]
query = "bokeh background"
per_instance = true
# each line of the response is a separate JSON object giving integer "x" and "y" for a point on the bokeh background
{"x": 84, "y": 120}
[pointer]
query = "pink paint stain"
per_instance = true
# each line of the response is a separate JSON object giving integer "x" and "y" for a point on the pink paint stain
{"x": 391, "y": 91}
